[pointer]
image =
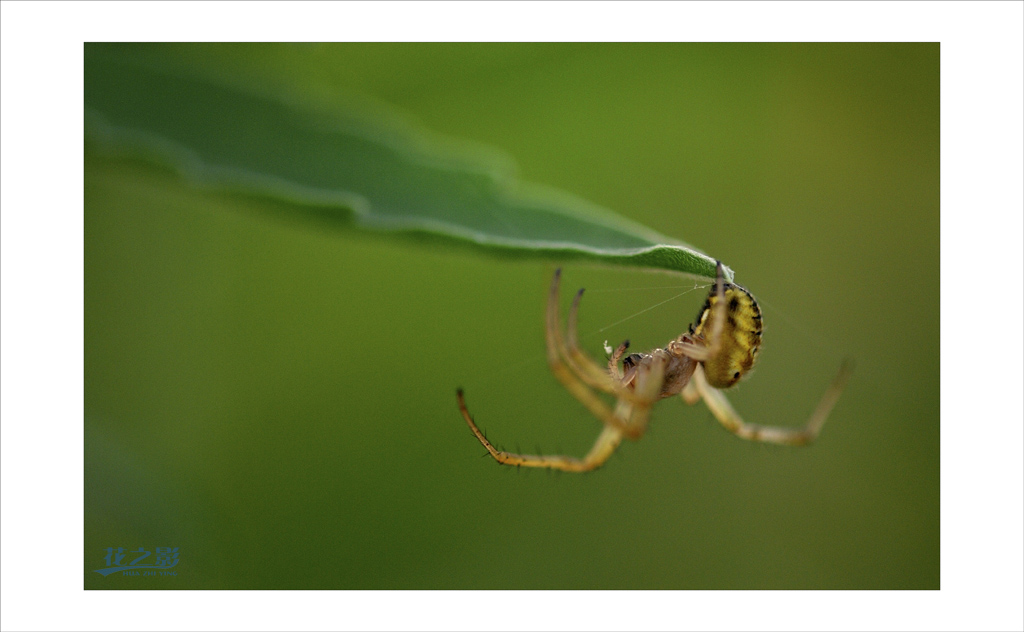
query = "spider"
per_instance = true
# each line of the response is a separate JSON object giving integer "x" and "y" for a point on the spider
{"x": 712, "y": 355}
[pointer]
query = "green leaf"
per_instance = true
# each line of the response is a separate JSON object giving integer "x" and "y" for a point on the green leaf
{"x": 358, "y": 166}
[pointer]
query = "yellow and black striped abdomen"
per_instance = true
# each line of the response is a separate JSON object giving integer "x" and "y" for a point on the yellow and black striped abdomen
{"x": 741, "y": 335}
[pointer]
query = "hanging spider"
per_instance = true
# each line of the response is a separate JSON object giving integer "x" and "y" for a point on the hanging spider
{"x": 712, "y": 355}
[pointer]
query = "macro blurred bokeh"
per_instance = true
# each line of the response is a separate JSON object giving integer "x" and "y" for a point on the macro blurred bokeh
{"x": 276, "y": 397}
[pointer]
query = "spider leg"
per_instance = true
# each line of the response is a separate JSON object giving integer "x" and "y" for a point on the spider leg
{"x": 570, "y": 378}
{"x": 605, "y": 445}
{"x": 690, "y": 393}
{"x": 649, "y": 381}
{"x": 588, "y": 371}
{"x": 613, "y": 362}
{"x": 714, "y": 340}
{"x": 728, "y": 417}
{"x": 628, "y": 419}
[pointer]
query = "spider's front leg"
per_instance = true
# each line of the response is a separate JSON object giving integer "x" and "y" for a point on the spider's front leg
{"x": 575, "y": 371}
{"x": 566, "y": 352}
{"x": 649, "y": 381}
{"x": 605, "y": 445}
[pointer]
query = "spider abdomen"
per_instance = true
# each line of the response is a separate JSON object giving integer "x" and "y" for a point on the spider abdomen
{"x": 740, "y": 337}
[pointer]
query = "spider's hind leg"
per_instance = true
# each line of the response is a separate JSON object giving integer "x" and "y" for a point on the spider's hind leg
{"x": 731, "y": 420}
{"x": 702, "y": 353}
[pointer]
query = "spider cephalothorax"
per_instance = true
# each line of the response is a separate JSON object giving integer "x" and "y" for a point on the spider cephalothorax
{"x": 714, "y": 354}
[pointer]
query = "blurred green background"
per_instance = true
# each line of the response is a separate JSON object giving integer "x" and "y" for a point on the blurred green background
{"x": 277, "y": 398}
